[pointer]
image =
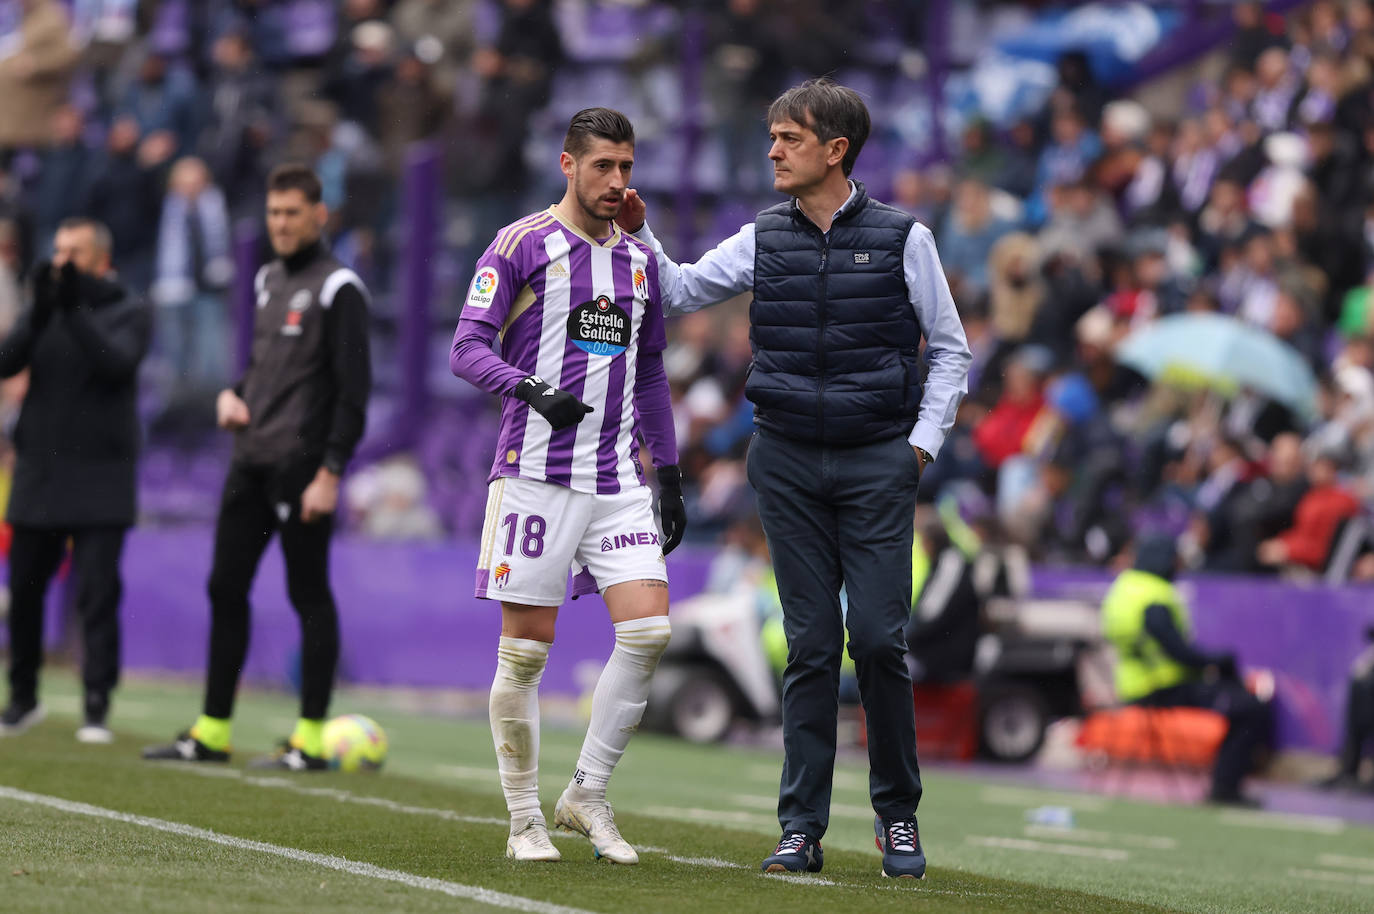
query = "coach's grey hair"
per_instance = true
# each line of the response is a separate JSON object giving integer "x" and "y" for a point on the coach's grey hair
{"x": 100, "y": 234}
{"x": 830, "y": 110}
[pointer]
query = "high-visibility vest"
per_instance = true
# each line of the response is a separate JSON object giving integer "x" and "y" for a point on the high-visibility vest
{"x": 1142, "y": 666}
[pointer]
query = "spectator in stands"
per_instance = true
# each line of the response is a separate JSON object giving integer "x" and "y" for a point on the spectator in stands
{"x": 64, "y": 176}
{"x": 241, "y": 121}
{"x": 1261, "y": 511}
{"x": 194, "y": 267}
{"x": 126, "y": 194}
{"x": 442, "y": 33}
{"x": 970, "y": 232}
{"x": 163, "y": 95}
{"x": 1316, "y": 521}
{"x": 1002, "y": 433}
{"x": 77, "y": 442}
{"x": 1158, "y": 665}
{"x": 34, "y": 77}
{"x": 942, "y": 633}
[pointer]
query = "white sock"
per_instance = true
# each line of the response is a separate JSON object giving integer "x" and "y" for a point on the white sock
{"x": 618, "y": 702}
{"x": 514, "y": 708}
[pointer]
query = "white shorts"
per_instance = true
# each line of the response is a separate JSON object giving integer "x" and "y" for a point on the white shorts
{"x": 536, "y": 532}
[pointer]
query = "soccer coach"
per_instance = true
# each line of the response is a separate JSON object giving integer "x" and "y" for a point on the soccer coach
{"x": 844, "y": 288}
{"x": 297, "y": 416}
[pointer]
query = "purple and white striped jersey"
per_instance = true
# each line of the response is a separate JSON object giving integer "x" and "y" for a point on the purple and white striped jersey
{"x": 576, "y": 312}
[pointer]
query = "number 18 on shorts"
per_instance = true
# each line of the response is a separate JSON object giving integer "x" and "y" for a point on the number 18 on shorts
{"x": 535, "y": 533}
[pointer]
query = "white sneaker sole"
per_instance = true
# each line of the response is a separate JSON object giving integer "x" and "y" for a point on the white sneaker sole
{"x": 95, "y": 736}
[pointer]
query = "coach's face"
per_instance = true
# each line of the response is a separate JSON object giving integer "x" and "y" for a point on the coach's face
{"x": 293, "y": 222}
{"x": 78, "y": 246}
{"x": 800, "y": 160}
{"x": 599, "y": 176}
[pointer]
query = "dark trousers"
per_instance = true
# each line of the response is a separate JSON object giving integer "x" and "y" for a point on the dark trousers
{"x": 257, "y": 502}
{"x": 841, "y": 516}
{"x": 1249, "y": 725}
{"x": 1359, "y": 722}
{"x": 35, "y": 554}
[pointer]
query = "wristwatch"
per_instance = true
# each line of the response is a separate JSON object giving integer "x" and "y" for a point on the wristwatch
{"x": 926, "y": 459}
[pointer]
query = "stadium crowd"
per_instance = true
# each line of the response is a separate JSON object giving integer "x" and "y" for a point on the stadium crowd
{"x": 1063, "y": 232}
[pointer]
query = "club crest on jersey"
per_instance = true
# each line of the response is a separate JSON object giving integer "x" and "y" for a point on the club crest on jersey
{"x": 484, "y": 286}
{"x": 640, "y": 279}
{"x": 599, "y": 327}
{"x": 295, "y": 308}
{"x": 502, "y": 575}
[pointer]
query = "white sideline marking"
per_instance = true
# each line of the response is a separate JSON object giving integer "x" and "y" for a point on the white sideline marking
{"x": 1068, "y": 850}
{"x": 1354, "y": 863}
{"x": 1329, "y": 876}
{"x": 797, "y": 878}
{"x": 704, "y": 861}
{"x": 328, "y": 861}
{"x": 1018, "y": 796}
{"x": 1322, "y": 825}
{"x": 333, "y": 793}
{"x": 1156, "y": 842}
{"x": 771, "y": 804}
{"x": 717, "y": 816}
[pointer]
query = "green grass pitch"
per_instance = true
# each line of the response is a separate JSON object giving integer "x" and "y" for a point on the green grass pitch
{"x": 94, "y": 828}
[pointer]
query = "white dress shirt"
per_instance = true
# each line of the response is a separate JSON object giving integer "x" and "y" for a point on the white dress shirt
{"x": 728, "y": 270}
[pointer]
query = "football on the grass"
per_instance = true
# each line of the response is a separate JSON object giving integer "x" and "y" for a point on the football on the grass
{"x": 353, "y": 742}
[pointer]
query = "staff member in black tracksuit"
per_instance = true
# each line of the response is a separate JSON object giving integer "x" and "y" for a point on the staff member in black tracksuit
{"x": 844, "y": 289}
{"x": 74, "y": 478}
{"x": 297, "y": 416}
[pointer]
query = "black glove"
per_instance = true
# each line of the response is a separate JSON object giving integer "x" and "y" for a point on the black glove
{"x": 68, "y": 286}
{"x": 561, "y": 408}
{"x": 672, "y": 510}
{"x": 44, "y": 293}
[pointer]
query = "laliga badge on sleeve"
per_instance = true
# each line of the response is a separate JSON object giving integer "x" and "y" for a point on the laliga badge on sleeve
{"x": 484, "y": 286}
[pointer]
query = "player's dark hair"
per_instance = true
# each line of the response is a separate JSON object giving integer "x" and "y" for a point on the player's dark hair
{"x": 829, "y": 110}
{"x": 295, "y": 176}
{"x": 602, "y": 123}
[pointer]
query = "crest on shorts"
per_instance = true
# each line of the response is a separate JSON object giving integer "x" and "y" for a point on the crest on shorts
{"x": 502, "y": 575}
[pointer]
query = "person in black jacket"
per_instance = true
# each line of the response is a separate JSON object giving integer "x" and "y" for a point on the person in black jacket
{"x": 77, "y": 447}
{"x": 297, "y": 416}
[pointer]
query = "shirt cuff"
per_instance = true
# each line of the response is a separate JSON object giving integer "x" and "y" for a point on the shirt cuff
{"x": 926, "y": 436}
{"x": 644, "y": 234}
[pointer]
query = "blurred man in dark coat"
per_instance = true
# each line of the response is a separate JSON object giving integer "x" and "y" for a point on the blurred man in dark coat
{"x": 77, "y": 445}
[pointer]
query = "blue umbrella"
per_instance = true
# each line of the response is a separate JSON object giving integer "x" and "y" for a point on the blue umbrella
{"x": 1223, "y": 354}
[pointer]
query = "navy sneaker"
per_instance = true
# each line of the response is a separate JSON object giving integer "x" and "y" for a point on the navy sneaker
{"x": 797, "y": 852}
{"x": 900, "y": 842}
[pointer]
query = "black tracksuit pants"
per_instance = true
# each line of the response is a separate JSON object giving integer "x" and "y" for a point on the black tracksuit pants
{"x": 257, "y": 502}
{"x": 35, "y": 554}
{"x": 841, "y": 516}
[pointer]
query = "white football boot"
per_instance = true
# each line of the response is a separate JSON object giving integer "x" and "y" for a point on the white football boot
{"x": 594, "y": 819}
{"x": 532, "y": 842}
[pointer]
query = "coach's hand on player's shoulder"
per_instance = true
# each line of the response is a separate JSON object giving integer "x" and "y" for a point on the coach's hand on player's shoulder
{"x": 561, "y": 408}
{"x": 230, "y": 410}
{"x": 672, "y": 509}
{"x": 630, "y": 216}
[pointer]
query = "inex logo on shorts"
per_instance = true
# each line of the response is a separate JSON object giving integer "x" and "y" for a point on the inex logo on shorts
{"x": 599, "y": 327}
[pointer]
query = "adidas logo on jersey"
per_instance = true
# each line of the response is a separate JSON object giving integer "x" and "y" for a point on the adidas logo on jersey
{"x": 558, "y": 270}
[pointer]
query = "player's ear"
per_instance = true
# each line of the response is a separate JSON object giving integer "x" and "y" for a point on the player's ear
{"x": 566, "y": 162}
{"x": 321, "y": 214}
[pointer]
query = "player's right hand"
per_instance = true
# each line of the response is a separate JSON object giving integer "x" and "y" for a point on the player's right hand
{"x": 632, "y": 212}
{"x": 561, "y": 408}
{"x": 230, "y": 410}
